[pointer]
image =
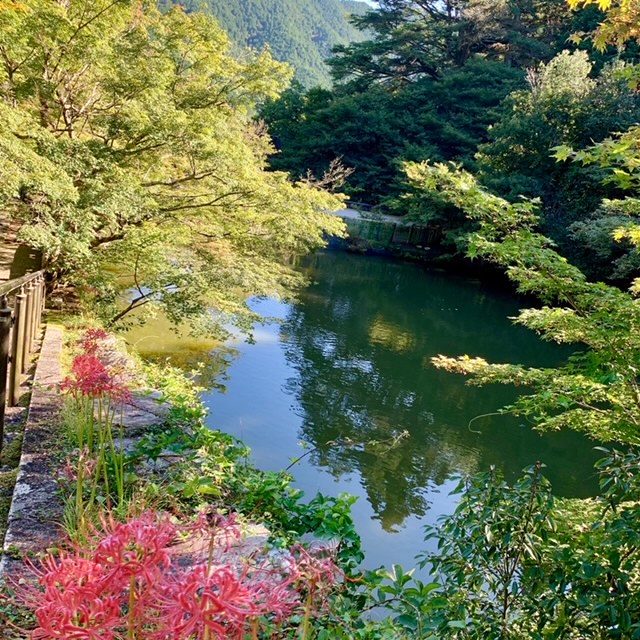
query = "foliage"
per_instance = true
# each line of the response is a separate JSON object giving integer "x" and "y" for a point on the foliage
{"x": 427, "y": 84}
{"x": 564, "y": 105}
{"x": 300, "y": 33}
{"x": 596, "y": 391}
{"x": 485, "y": 551}
{"x": 133, "y": 163}
{"x": 621, "y": 23}
{"x": 373, "y": 131}
{"x": 98, "y": 391}
{"x": 599, "y": 242}
{"x": 514, "y": 563}
{"x": 420, "y": 38}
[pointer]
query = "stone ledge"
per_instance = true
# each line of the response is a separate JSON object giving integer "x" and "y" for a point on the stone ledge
{"x": 36, "y": 508}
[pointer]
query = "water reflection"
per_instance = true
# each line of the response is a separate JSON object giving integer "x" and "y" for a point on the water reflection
{"x": 359, "y": 342}
{"x": 206, "y": 358}
{"x": 347, "y": 371}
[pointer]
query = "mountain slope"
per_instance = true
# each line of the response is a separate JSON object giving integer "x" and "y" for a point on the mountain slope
{"x": 301, "y": 32}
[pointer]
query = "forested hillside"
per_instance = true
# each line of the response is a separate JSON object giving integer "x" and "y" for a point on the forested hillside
{"x": 301, "y": 32}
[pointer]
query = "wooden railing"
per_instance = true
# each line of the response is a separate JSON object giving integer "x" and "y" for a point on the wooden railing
{"x": 21, "y": 306}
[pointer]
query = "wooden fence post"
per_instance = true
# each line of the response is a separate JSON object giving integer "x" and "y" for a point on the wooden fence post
{"x": 17, "y": 348}
{"x": 41, "y": 293}
{"x": 27, "y": 326}
{"x": 35, "y": 314}
{"x": 5, "y": 328}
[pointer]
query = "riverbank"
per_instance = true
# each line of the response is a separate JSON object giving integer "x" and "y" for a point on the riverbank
{"x": 394, "y": 238}
{"x": 72, "y": 497}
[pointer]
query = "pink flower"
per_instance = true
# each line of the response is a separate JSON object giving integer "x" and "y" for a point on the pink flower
{"x": 138, "y": 548}
{"x": 91, "y": 339}
{"x": 85, "y": 462}
{"x": 274, "y": 591}
{"x": 201, "y": 599}
{"x": 122, "y": 582}
{"x": 316, "y": 566}
{"x": 210, "y": 524}
{"x": 74, "y": 601}
{"x": 78, "y": 616}
{"x": 91, "y": 377}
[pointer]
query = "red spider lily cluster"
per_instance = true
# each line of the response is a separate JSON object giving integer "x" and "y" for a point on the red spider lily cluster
{"x": 92, "y": 340}
{"x": 126, "y": 583}
{"x": 91, "y": 376}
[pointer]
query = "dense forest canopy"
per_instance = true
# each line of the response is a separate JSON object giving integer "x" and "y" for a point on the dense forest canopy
{"x": 493, "y": 86}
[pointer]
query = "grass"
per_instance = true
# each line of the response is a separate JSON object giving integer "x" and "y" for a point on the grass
{"x": 7, "y": 482}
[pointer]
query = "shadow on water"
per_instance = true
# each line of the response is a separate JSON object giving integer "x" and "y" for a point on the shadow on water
{"x": 206, "y": 358}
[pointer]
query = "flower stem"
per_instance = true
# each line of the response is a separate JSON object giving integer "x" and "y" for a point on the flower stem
{"x": 131, "y": 619}
{"x": 308, "y": 608}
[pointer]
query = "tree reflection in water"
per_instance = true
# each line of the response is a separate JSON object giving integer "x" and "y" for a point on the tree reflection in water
{"x": 359, "y": 342}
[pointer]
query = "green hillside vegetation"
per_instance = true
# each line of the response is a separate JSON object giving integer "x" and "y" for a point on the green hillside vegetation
{"x": 301, "y": 32}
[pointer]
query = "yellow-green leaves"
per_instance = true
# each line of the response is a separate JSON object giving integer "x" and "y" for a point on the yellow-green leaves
{"x": 604, "y": 5}
{"x": 127, "y": 139}
{"x": 596, "y": 391}
{"x": 622, "y": 22}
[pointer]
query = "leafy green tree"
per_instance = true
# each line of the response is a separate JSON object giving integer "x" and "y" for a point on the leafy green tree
{"x": 373, "y": 131}
{"x": 596, "y": 391}
{"x": 564, "y": 105}
{"x": 622, "y": 21}
{"x": 600, "y": 241}
{"x": 514, "y": 562}
{"x": 134, "y": 164}
{"x": 420, "y": 38}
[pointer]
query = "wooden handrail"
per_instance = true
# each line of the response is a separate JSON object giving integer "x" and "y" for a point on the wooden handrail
{"x": 10, "y": 286}
{"x": 19, "y": 327}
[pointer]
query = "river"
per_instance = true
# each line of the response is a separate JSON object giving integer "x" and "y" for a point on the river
{"x": 342, "y": 378}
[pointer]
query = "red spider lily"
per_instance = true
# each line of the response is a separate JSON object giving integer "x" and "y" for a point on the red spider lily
{"x": 223, "y": 530}
{"x": 90, "y": 377}
{"x": 122, "y": 584}
{"x": 91, "y": 339}
{"x": 274, "y": 592}
{"x": 73, "y": 600}
{"x": 202, "y": 600}
{"x": 316, "y": 567}
{"x": 67, "y": 571}
{"x": 79, "y": 617}
{"x": 86, "y": 464}
{"x": 137, "y": 548}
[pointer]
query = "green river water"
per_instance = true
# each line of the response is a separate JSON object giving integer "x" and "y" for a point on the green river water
{"x": 346, "y": 371}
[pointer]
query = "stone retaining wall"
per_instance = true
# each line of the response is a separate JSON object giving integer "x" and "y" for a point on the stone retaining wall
{"x": 36, "y": 508}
